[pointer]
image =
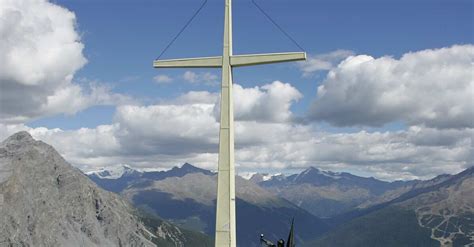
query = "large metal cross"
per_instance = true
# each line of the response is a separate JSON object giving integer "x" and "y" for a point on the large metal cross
{"x": 225, "y": 212}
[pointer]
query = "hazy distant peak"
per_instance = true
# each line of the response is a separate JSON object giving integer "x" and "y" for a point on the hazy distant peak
{"x": 469, "y": 169}
{"x": 277, "y": 176}
{"x": 247, "y": 175}
{"x": 187, "y": 168}
{"x": 262, "y": 177}
{"x": 114, "y": 172}
{"x": 310, "y": 169}
{"x": 313, "y": 172}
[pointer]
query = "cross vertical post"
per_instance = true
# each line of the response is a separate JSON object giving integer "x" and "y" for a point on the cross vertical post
{"x": 225, "y": 212}
{"x": 225, "y": 235}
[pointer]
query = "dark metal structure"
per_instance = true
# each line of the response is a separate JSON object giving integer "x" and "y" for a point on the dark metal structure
{"x": 281, "y": 243}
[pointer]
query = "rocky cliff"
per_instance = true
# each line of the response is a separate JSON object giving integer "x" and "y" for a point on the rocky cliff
{"x": 44, "y": 201}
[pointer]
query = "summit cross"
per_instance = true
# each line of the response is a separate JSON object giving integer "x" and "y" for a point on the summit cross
{"x": 225, "y": 235}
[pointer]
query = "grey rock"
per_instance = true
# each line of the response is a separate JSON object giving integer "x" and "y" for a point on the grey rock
{"x": 44, "y": 201}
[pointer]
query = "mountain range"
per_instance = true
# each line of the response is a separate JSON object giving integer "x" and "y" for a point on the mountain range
{"x": 44, "y": 201}
{"x": 186, "y": 196}
{"x": 331, "y": 193}
{"x": 346, "y": 210}
{"x": 438, "y": 212}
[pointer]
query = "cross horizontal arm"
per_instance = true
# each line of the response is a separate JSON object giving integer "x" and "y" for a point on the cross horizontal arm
{"x": 200, "y": 62}
{"x": 255, "y": 59}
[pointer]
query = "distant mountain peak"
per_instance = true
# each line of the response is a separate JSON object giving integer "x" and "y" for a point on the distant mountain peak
{"x": 277, "y": 176}
{"x": 114, "y": 172}
{"x": 259, "y": 177}
{"x": 310, "y": 170}
{"x": 248, "y": 175}
{"x": 313, "y": 171}
{"x": 470, "y": 169}
{"x": 188, "y": 167}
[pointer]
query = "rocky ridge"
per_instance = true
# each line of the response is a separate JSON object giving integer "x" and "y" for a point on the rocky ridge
{"x": 44, "y": 201}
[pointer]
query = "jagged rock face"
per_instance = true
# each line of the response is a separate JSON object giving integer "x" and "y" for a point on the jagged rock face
{"x": 44, "y": 201}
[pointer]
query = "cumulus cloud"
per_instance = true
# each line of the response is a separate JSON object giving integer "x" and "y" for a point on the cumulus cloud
{"x": 323, "y": 62}
{"x": 267, "y": 103}
{"x": 431, "y": 91}
{"x": 197, "y": 97}
{"x": 167, "y": 129}
{"x": 434, "y": 88}
{"x": 40, "y": 51}
{"x": 386, "y": 155}
{"x": 186, "y": 130}
{"x": 162, "y": 79}
{"x": 167, "y": 139}
{"x": 206, "y": 78}
{"x": 182, "y": 130}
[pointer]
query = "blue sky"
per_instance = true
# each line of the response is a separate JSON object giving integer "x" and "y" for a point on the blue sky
{"x": 122, "y": 39}
{"x": 387, "y": 90}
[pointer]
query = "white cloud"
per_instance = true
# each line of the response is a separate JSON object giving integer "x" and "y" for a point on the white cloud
{"x": 268, "y": 103}
{"x": 186, "y": 130}
{"x": 323, "y": 62}
{"x": 162, "y": 79}
{"x": 197, "y": 97}
{"x": 40, "y": 51}
{"x": 74, "y": 98}
{"x": 169, "y": 137}
{"x": 206, "y": 78}
{"x": 167, "y": 129}
{"x": 386, "y": 155}
{"x": 430, "y": 87}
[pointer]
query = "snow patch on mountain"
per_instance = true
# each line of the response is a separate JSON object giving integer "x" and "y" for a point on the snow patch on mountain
{"x": 261, "y": 177}
{"x": 278, "y": 176}
{"x": 247, "y": 175}
{"x": 312, "y": 170}
{"x": 114, "y": 172}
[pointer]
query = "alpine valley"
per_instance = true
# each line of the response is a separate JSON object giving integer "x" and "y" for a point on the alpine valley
{"x": 330, "y": 209}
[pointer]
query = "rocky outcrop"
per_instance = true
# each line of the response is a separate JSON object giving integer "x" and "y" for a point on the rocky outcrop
{"x": 44, "y": 201}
